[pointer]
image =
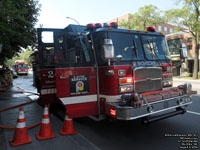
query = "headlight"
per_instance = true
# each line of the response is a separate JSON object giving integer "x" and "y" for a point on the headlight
{"x": 126, "y": 88}
{"x": 167, "y": 83}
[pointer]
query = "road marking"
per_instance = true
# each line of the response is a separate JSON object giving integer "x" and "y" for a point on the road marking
{"x": 193, "y": 113}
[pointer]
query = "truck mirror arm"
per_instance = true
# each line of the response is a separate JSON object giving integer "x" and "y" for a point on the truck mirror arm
{"x": 118, "y": 58}
{"x": 178, "y": 63}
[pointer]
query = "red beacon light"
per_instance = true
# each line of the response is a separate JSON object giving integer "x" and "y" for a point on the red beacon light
{"x": 150, "y": 29}
{"x": 90, "y": 27}
{"x": 98, "y": 25}
{"x": 114, "y": 25}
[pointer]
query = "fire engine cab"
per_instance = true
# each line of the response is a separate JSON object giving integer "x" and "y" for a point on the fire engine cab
{"x": 21, "y": 67}
{"x": 100, "y": 71}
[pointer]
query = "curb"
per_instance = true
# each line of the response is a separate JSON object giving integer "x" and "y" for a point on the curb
{"x": 187, "y": 80}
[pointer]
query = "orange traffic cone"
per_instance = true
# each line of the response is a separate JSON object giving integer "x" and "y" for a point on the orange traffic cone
{"x": 20, "y": 135}
{"x": 45, "y": 127}
{"x": 68, "y": 127}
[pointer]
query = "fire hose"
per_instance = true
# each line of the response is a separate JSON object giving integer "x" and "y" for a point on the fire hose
{"x": 3, "y": 109}
{"x": 7, "y": 127}
{"x": 19, "y": 91}
{"x": 29, "y": 127}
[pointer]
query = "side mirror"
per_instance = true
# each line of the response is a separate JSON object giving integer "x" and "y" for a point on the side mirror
{"x": 108, "y": 49}
{"x": 119, "y": 57}
{"x": 183, "y": 53}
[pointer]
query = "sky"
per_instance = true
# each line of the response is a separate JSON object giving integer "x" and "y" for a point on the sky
{"x": 54, "y": 12}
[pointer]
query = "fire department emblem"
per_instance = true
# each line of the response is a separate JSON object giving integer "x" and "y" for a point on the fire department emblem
{"x": 79, "y": 84}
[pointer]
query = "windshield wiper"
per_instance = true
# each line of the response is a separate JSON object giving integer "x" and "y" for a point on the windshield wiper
{"x": 135, "y": 49}
{"x": 153, "y": 53}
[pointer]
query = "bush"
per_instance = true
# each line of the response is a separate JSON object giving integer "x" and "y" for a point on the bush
{"x": 190, "y": 74}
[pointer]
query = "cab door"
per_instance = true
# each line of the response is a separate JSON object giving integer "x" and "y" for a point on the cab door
{"x": 76, "y": 79}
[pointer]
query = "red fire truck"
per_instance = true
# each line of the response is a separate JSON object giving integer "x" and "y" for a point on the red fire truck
{"x": 101, "y": 71}
{"x": 21, "y": 67}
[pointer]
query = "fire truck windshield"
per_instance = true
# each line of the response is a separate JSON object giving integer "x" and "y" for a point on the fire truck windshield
{"x": 126, "y": 45}
{"x": 22, "y": 66}
{"x": 155, "y": 47}
{"x": 130, "y": 47}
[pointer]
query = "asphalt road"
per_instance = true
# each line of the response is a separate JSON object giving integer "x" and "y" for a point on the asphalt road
{"x": 167, "y": 134}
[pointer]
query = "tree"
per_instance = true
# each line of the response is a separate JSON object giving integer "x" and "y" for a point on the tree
{"x": 189, "y": 17}
{"x": 24, "y": 55}
{"x": 17, "y": 21}
{"x": 146, "y": 16}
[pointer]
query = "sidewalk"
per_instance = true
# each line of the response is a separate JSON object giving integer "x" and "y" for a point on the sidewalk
{"x": 33, "y": 114}
{"x": 186, "y": 79}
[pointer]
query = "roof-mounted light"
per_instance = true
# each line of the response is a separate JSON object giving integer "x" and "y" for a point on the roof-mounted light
{"x": 150, "y": 29}
{"x": 98, "y": 25}
{"x": 90, "y": 27}
{"x": 114, "y": 25}
{"x": 105, "y": 25}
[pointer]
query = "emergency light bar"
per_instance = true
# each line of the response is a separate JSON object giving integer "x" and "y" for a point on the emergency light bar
{"x": 114, "y": 25}
{"x": 97, "y": 25}
{"x": 150, "y": 29}
{"x": 90, "y": 27}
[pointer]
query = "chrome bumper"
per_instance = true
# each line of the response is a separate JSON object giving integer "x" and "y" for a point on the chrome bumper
{"x": 22, "y": 72}
{"x": 131, "y": 113}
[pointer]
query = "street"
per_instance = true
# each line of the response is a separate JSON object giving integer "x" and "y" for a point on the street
{"x": 127, "y": 135}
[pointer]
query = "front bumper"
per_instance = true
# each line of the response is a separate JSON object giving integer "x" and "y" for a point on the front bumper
{"x": 22, "y": 72}
{"x": 131, "y": 113}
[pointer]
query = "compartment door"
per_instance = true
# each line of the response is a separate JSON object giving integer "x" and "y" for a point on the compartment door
{"x": 76, "y": 88}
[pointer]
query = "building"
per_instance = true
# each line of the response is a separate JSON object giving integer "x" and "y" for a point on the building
{"x": 161, "y": 27}
{"x": 125, "y": 17}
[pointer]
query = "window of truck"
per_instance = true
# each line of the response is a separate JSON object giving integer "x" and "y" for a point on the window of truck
{"x": 127, "y": 45}
{"x": 22, "y": 66}
{"x": 78, "y": 51}
{"x": 155, "y": 47}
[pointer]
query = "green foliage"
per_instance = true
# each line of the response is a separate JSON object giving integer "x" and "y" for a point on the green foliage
{"x": 146, "y": 16}
{"x": 184, "y": 17}
{"x": 25, "y": 55}
{"x": 189, "y": 74}
{"x": 17, "y": 20}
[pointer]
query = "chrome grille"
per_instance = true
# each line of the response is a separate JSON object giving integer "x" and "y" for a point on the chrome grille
{"x": 147, "y": 79}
